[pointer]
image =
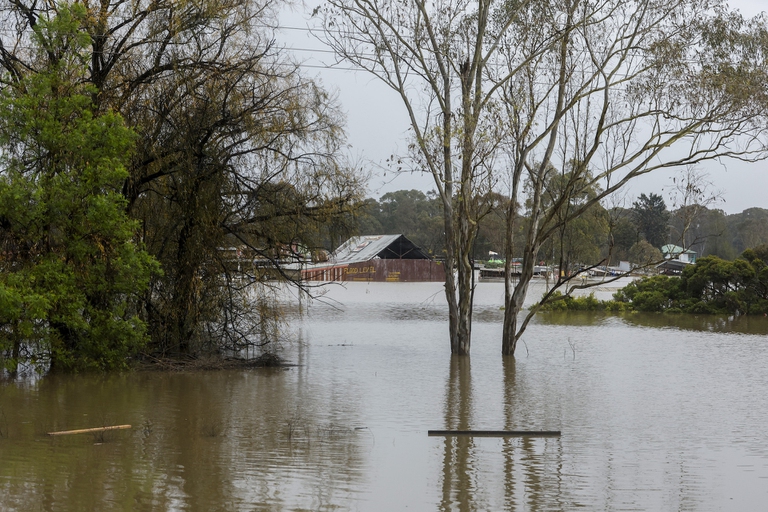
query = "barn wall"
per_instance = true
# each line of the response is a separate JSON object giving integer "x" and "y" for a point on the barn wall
{"x": 331, "y": 273}
{"x": 395, "y": 271}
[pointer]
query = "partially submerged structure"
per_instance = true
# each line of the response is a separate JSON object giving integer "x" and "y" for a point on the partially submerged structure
{"x": 675, "y": 259}
{"x": 380, "y": 258}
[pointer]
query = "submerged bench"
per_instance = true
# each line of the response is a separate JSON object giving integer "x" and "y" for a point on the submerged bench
{"x": 495, "y": 433}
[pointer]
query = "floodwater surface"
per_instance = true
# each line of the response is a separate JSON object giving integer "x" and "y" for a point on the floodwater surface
{"x": 657, "y": 413}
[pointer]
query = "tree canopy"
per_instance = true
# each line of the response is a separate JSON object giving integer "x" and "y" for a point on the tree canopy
{"x": 70, "y": 271}
{"x": 651, "y": 217}
{"x": 233, "y": 152}
{"x": 513, "y": 97}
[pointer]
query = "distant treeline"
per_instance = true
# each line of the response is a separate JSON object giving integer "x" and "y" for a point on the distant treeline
{"x": 635, "y": 233}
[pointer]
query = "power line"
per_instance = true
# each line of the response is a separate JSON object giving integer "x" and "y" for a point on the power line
{"x": 283, "y": 27}
{"x": 317, "y": 66}
{"x": 318, "y": 50}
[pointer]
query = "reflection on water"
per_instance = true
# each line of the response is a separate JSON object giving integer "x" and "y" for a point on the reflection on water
{"x": 458, "y": 485}
{"x": 657, "y": 413}
{"x": 527, "y": 469}
{"x": 714, "y": 323}
{"x": 710, "y": 323}
{"x": 205, "y": 441}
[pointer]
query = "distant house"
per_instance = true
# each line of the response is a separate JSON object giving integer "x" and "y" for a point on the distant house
{"x": 391, "y": 258}
{"x": 675, "y": 259}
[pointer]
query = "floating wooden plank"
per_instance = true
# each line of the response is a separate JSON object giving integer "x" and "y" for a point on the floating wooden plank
{"x": 495, "y": 433}
{"x": 88, "y": 430}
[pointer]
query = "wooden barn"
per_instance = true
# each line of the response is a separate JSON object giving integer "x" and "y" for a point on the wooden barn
{"x": 381, "y": 258}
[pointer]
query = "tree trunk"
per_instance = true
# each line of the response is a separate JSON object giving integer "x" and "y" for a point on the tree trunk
{"x": 465, "y": 307}
{"x": 513, "y": 304}
{"x": 514, "y": 296}
{"x": 465, "y": 270}
{"x": 64, "y": 348}
{"x": 15, "y": 357}
{"x": 453, "y": 307}
{"x": 458, "y": 283}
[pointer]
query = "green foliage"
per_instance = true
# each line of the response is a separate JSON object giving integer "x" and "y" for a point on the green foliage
{"x": 578, "y": 239}
{"x": 412, "y": 213}
{"x": 615, "y": 306}
{"x": 560, "y": 302}
{"x": 749, "y": 228}
{"x": 69, "y": 269}
{"x": 644, "y": 253}
{"x": 656, "y": 293}
{"x": 235, "y": 152}
{"x": 711, "y": 286}
{"x": 623, "y": 233}
{"x": 651, "y": 216}
{"x": 725, "y": 286}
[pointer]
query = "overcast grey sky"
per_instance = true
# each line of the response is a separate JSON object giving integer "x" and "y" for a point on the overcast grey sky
{"x": 377, "y": 124}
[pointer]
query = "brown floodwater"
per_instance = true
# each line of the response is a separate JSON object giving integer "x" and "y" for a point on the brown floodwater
{"x": 656, "y": 413}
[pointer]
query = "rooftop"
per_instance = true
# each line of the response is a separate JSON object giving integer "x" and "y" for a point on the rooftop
{"x": 363, "y": 248}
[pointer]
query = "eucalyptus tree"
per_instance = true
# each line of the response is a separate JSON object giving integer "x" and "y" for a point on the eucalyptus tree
{"x": 503, "y": 94}
{"x": 603, "y": 92}
{"x": 578, "y": 241}
{"x": 749, "y": 228}
{"x": 692, "y": 193}
{"x": 437, "y": 57}
{"x": 234, "y": 148}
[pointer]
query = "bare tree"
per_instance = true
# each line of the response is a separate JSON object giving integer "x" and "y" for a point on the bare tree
{"x": 627, "y": 88}
{"x": 596, "y": 92}
{"x": 439, "y": 58}
{"x": 692, "y": 193}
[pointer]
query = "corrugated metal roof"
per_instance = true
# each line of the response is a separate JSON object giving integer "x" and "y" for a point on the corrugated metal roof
{"x": 363, "y": 248}
{"x": 675, "y": 250}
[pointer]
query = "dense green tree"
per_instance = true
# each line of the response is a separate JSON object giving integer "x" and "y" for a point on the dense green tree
{"x": 415, "y": 214}
{"x": 710, "y": 286}
{"x": 368, "y": 221}
{"x": 749, "y": 228}
{"x": 234, "y": 149}
{"x": 412, "y": 213}
{"x": 70, "y": 273}
{"x": 719, "y": 286}
{"x": 400, "y": 210}
{"x": 623, "y": 234}
{"x": 757, "y": 255}
{"x": 711, "y": 234}
{"x": 654, "y": 294}
{"x": 651, "y": 217}
{"x": 643, "y": 253}
{"x": 757, "y": 296}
